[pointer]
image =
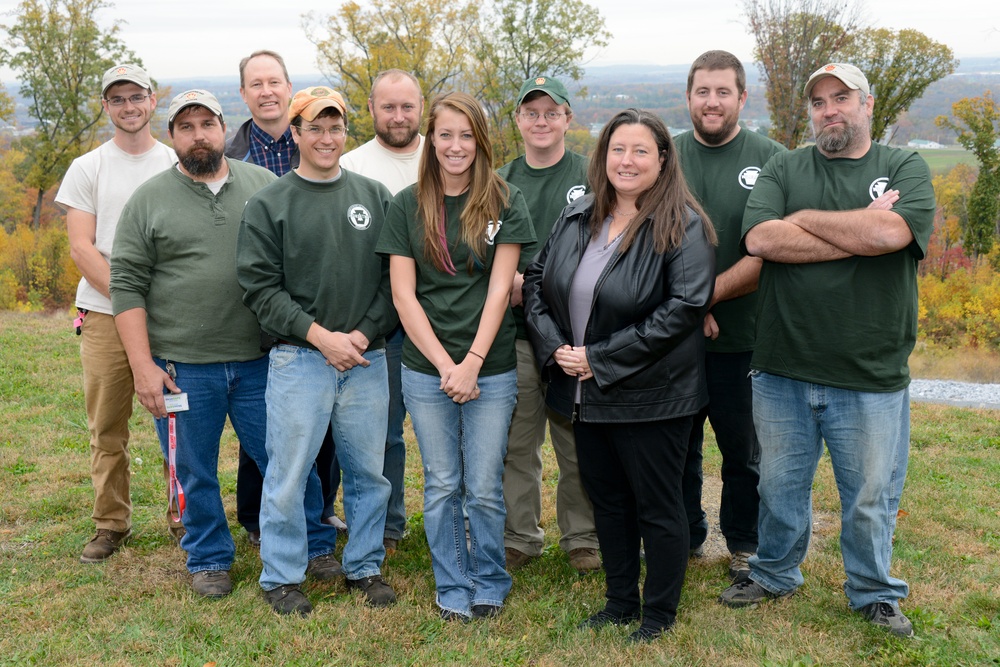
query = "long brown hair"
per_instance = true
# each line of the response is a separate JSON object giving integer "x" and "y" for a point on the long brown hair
{"x": 488, "y": 193}
{"x": 665, "y": 205}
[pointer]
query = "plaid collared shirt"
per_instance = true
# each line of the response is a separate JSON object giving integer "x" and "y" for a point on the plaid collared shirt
{"x": 270, "y": 153}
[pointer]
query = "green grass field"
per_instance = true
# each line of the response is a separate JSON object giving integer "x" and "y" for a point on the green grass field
{"x": 138, "y": 608}
{"x": 942, "y": 160}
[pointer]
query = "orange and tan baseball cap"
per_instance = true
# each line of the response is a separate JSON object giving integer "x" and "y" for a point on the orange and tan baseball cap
{"x": 849, "y": 75}
{"x": 310, "y": 101}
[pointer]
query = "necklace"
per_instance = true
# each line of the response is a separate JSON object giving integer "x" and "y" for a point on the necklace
{"x": 623, "y": 214}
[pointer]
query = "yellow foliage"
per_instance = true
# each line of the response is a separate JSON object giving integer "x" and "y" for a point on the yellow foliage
{"x": 962, "y": 309}
{"x": 36, "y": 270}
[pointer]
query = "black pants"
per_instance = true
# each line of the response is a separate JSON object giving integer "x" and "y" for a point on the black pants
{"x": 730, "y": 411}
{"x": 250, "y": 484}
{"x": 632, "y": 473}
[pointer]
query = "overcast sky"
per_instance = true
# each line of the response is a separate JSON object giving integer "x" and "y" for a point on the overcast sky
{"x": 180, "y": 38}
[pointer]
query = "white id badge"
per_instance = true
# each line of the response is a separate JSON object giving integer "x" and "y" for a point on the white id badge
{"x": 176, "y": 402}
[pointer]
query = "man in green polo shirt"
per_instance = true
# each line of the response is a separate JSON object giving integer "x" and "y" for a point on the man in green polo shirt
{"x": 550, "y": 178}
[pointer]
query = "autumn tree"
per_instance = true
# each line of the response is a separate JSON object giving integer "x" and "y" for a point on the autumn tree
{"x": 428, "y": 38}
{"x": 60, "y": 52}
{"x": 976, "y": 120}
{"x": 6, "y": 104}
{"x": 951, "y": 192}
{"x": 793, "y": 39}
{"x": 900, "y": 66}
{"x": 519, "y": 39}
{"x": 485, "y": 50}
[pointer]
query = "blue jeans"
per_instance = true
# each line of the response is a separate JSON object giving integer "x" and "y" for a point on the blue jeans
{"x": 868, "y": 437}
{"x": 214, "y": 391}
{"x": 305, "y": 396}
{"x": 395, "y": 447}
{"x": 462, "y": 447}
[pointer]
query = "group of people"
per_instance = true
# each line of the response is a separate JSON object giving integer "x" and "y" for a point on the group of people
{"x": 315, "y": 297}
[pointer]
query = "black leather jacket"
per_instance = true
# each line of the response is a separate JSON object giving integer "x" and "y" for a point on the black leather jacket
{"x": 644, "y": 337}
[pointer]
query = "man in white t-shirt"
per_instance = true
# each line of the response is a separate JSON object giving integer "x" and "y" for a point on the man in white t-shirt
{"x": 392, "y": 157}
{"x": 93, "y": 193}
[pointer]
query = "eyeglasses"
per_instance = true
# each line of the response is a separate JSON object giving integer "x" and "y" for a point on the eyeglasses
{"x": 549, "y": 115}
{"x": 315, "y": 131}
{"x": 118, "y": 100}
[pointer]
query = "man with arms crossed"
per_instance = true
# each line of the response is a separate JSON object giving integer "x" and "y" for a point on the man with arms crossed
{"x": 840, "y": 226}
{"x": 93, "y": 193}
{"x": 180, "y": 315}
{"x": 721, "y": 163}
{"x": 550, "y": 178}
{"x": 392, "y": 157}
{"x": 305, "y": 256}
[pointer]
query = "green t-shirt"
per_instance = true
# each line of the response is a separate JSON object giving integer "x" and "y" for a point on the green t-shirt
{"x": 454, "y": 303}
{"x": 721, "y": 177}
{"x": 547, "y": 191}
{"x": 849, "y": 323}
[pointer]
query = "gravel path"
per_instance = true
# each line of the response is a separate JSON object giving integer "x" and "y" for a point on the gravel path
{"x": 961, "y": 394}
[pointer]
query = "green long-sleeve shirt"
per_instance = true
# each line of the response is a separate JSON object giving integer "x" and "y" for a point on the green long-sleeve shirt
{"x": 306, "y": 253}
{"x": 175, "y": 256}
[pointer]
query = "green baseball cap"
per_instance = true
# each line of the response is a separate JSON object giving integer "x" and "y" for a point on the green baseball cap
{"x": 554, "y": 88}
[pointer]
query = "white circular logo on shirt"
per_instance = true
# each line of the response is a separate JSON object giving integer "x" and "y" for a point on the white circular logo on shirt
{"x": 575, "y": 193}
{"x": 877, "y": 188}
{"x": 359, "y": 216}
{"x": 748, "y": 177}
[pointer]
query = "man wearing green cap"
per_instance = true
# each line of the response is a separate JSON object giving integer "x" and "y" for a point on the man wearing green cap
{"x": 180, "y": 315}
{"x": 93, "y": 192}
{"x": 306, "y": 259}
{"x": 550, "y": 178}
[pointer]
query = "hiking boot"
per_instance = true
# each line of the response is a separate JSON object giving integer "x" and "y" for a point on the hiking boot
{"x": 697, "y": 552}
{"x": 605, "y": 617}
{"x": 647, "y": 633}
{"x": 376, "y": 591}
{"x": 390, "y": 544}
{"x": 516, "y": 559}
{"x": 212, "y": 583}
{"x": 486, "y": 610}
{"x": 103, "y": 545}
{"x": 253, "y": 537}
{"x": 888, "y": 615}
{"x": 739, "y": 568}
{"x": 324, "y": 567}
{"x": 288, "y": 599}
{"x": 749, "y": 594}
{"x": 585, "y": 559}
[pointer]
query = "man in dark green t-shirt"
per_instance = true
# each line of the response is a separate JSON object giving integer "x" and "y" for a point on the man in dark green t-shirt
{"x": 306, "y": 258}
{"x": 550, "y": 178}
{"x": 721, "y": 163}
{"x": 840, "y": 226}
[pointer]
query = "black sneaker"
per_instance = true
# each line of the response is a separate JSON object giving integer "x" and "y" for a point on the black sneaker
{"x": 288, "y": 599}
{"x": 605, "y": 617}
{"x": 486, "y": 610}
{"x": 324, "y": 567}
{"x": 889, "y": 616}
{"x": 377, "y": 592}
{"x": 647, "y": 633}
{"x": 453, "y": 616}
{"x": 749, "y": 594}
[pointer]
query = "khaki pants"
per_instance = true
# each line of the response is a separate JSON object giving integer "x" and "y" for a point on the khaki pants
{"x": 108, "y": 390}
{"x": 522, "y": 474}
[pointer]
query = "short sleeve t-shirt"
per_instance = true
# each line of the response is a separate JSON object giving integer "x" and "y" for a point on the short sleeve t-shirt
{"x": 454, "y": 303}
{"x": 849, "y": 323}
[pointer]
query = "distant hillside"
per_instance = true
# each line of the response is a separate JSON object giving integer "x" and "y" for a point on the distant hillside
{"x": 659, "y": 88}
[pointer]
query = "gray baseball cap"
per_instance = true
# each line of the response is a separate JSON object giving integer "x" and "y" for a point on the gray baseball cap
{"x": 125, "y": 73}
{"x": 194, "y": 97}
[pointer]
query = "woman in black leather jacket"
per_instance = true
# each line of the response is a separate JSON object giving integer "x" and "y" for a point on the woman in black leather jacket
{"x": 614, "y": 305}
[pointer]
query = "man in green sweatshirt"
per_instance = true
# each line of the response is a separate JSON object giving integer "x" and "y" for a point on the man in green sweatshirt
{"x": 305, "y": 257}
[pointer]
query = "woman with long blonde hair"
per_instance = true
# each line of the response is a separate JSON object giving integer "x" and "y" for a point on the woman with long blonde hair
{"x": 454, "y": 239}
